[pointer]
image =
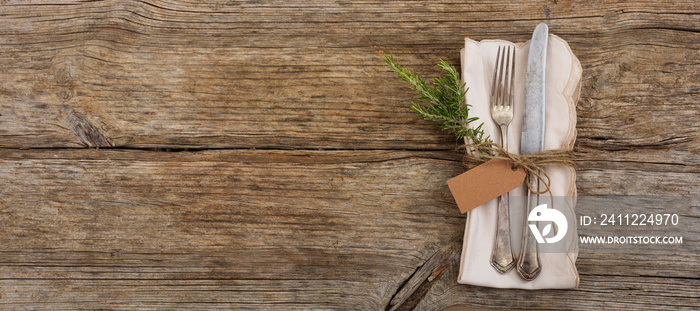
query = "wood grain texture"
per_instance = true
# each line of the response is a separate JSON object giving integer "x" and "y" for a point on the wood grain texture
{"x": 127, "y": 229}
{"x": 299, "y": 230}
{"x": 301, "y": 179}
{"x": 285, "y": 75}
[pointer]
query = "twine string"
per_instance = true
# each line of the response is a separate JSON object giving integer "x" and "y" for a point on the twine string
{"x": 533, "y": 164}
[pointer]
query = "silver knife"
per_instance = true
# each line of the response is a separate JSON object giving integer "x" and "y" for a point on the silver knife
{"x": 532, "y": 141}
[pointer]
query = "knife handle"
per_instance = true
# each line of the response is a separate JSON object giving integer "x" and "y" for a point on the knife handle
{"x": 529, "y": 264}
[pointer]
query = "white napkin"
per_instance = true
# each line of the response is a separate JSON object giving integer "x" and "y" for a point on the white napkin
{"x": 563, "y": 84}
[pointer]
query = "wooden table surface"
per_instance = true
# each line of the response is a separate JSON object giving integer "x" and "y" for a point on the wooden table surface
{"x": 198, "y": 155}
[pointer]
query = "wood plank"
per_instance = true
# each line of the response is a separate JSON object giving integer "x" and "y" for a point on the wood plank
{"x": 177, "y": 74}
{"x": 127, "y": 229}
{"x": 233, "y": 229}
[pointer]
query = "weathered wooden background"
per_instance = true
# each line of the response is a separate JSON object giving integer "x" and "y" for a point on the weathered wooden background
{"x": 189, "y": 155}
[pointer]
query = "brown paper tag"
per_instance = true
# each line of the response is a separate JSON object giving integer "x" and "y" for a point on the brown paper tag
{"x": 484, "y": 183}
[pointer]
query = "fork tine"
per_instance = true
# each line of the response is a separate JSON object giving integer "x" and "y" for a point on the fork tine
{"x": 511, "y": 75}
{"x": 503, "y": 89}
{"x": 494, "y": 92}
{"x": 501, "y": 75}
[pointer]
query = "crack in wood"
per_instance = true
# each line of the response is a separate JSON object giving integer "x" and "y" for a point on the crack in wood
{"x": 411, "y": 292}
{"x": 393, "y": 301}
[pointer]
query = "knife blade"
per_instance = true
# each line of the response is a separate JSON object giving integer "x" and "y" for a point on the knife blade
{"x": 532, "y": 141}
{"x": 532, "y": 137}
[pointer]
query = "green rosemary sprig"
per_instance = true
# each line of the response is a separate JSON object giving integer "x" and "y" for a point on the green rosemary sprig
{"x": 444, "y": 102}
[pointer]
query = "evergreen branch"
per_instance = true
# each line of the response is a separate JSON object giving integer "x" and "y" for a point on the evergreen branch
{"x": 444, "y": 102}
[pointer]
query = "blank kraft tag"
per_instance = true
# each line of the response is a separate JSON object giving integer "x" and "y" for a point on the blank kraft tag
{"x": 484, "y": 183}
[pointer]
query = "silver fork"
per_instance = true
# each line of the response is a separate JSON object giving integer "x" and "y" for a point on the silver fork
{"x": 502, "y": 258}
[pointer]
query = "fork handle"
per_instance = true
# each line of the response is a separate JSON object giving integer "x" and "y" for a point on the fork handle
{"x": 502, "y": 258}
{"x": 529, "y": 264}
